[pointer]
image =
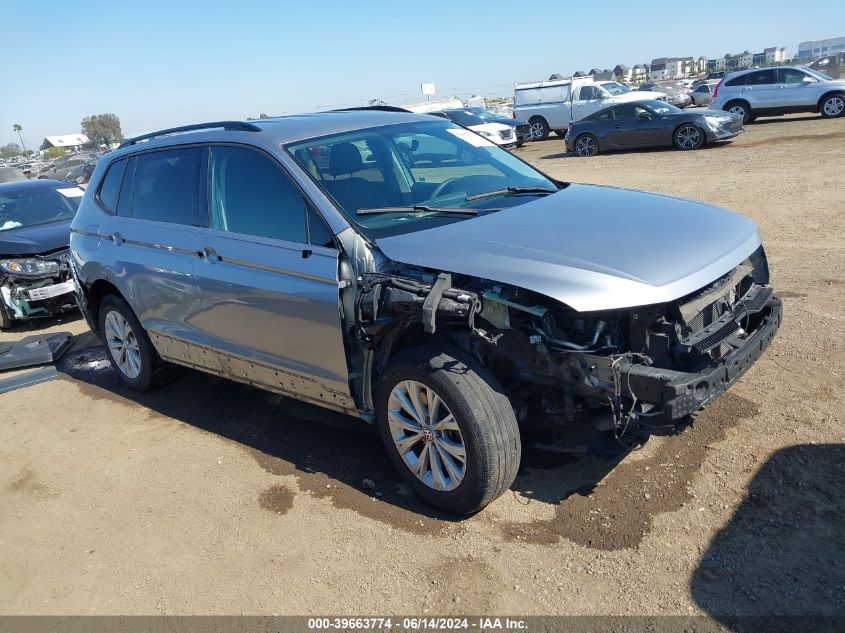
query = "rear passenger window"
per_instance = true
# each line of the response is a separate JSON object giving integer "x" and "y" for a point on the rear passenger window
{"x": 250, "y": 194}
{"x": 166, "y": 187}
{"x": 761, "y": 78}
{"x": 110, "y": 187}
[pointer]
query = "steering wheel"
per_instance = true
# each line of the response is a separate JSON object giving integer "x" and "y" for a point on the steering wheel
{"x": 472, "y": 184}
{"x": 446, "y": 186}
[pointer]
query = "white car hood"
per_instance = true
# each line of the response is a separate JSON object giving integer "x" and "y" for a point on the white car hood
{"x": 494, "y": 129}
{"x": 590, "y": 247}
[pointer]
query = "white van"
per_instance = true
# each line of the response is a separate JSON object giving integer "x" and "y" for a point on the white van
{"x": 553, "y": 105}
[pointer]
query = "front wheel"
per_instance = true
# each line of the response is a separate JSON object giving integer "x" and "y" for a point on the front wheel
{"x": 128, "y": 347}
{"x": 688, "y": 137}
{"x": 586, "y": 145}
{"x": 832, "y": 106}
{"x": 448, "y": 427}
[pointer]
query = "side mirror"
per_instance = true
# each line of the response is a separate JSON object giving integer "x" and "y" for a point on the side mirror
{"x": 808, "y": 80}
{"x": 644, "y": 116}
{"x": 415, "y": 144}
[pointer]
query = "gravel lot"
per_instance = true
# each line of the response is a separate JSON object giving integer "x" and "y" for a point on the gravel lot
{"x": 210, "y": 497}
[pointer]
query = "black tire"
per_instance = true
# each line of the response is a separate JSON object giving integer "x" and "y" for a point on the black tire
{"x": 560, "y": 133}
{"x": 154, "y": 372}
{"x": 740, "y": 107}
{"x": 688, "y": 136}
{"x": 586, "y": 145}
{"x": 484, "y": 416}
{"x": 832, "y": 106}
{"x": 539, "y": 128}
{"x": 5, "y": 317}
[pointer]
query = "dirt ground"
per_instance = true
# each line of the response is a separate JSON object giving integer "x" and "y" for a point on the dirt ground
{"x": 210, "y": 497}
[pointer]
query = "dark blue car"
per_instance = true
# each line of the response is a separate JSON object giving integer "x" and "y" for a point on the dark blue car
{"x": 35, "y": 280}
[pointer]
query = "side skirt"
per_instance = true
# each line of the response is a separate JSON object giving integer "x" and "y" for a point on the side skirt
{"x": 249, "y": 372}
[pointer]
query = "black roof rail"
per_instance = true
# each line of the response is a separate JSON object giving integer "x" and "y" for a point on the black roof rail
{"x": 377, "y": 108}
{"x": 226, "y": 125}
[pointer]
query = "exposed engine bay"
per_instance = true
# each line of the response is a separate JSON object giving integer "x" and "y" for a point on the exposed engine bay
{"x": 36, "y": 285}
{"x": 633, "y": 370}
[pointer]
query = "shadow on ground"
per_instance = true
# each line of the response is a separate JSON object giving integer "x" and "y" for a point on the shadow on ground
{"x": 600, "y": 499}
{"x": 781, "y": 558}
{"x": 332, "y": 454}
{"x": 634, "y": 150}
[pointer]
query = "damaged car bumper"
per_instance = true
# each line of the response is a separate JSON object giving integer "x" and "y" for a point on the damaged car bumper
{"x": 677, "y": 394}
{"x": 25, "y": 295}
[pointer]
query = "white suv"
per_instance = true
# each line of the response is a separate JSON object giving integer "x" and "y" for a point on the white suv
{"x": 779, "y": 90}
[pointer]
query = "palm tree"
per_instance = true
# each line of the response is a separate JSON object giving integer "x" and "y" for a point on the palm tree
{"x": 17, "y": 128}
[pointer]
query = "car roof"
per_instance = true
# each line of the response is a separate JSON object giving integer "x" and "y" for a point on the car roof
{"x": 284, "y": 129}
{"x": 752, "y": 70}
{"x": 41, "y": 184}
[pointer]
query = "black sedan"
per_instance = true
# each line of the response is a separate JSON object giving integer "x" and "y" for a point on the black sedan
{"x": 649, "y": 124}
{"x": 35, "y": 280}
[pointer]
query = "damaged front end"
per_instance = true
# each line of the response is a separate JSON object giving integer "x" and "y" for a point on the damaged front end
{"x": 635, "y": 370}
{"x": 36, "y": 286}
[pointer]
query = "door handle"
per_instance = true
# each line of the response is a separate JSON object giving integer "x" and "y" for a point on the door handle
{"x": 209, "y": 254}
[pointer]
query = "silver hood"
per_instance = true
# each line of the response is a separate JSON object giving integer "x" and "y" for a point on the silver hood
{"x": 590, "y": 247}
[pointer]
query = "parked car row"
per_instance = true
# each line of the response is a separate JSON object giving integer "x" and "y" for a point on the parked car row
{"x": 550, "y": 106}
{"x": 737, "y": 99}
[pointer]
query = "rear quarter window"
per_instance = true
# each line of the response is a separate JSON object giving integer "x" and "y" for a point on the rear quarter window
{"x": 166, "y": 187}
{"x": 109, "y": 191}
{"x": 737, "y": 81}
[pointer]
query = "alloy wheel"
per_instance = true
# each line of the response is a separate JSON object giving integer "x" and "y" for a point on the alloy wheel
{"x": 537, "y": 130}
{"x": 426, "y": 435}
{"x": 834, "y": 106}
{"x": 586, "y": 146}
{"x": 122, "y": 344}
{"x": 689, "y": 137}
{"x": 738, "y": 109}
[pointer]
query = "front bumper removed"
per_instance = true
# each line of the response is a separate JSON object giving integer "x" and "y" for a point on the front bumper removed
{"x": 676, "y": 394}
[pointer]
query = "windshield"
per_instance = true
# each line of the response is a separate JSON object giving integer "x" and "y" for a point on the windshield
{"x": 464, "y": 117}
{"x": 486, "y": 115}
{"x": 615, "y": 88}
{"x": 818, "y": 75}
{"x": 30, "y": 206}
{"x": 432, "y": 164}
{"x": 658, "y": 107}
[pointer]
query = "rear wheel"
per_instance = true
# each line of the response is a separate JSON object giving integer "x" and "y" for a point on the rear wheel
{"x": 688, "y": 136}
{"x": 539, "y": 128}
{"x": 448, "y": 428}
{"x": 560, "y": 133}
{"x": 586, "y": 145}
{"x": 832, "y": 106}
{"x": 128, "y": 347}
{"x": 741, "y": 108}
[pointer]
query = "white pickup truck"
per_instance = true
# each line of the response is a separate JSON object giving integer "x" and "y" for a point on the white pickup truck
{"x": 553, "y": 105}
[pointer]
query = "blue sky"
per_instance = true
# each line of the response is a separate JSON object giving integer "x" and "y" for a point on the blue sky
{"x": 156, "y": 64}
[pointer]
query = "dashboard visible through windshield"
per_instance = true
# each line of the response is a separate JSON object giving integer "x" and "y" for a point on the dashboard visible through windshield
{"x": 414, "y": 176}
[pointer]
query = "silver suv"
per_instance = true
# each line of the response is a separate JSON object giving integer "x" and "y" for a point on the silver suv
{"x": 779, "y": 90}
{"x": 404, "y": 270}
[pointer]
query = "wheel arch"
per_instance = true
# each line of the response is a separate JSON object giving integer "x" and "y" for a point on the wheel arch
{"x": 729, "y": 103}
{"x": 829, "y": 93}
{"x": 94, "y": 294}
